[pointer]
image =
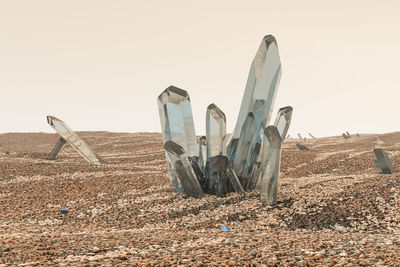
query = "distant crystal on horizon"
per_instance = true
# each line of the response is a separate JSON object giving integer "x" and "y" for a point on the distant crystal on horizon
{"x": 271, "y": 166}
{"x": 312, "y": 136}
{"x": 183, "y": 169}
{"x": 177, "y": 125}
{"x": 302, "y": 147}
{"x": 258, "y": 99}
{"x": 70, "y": 137}
{"x": 300, "y": 137}
{"x": 382, "y": 161}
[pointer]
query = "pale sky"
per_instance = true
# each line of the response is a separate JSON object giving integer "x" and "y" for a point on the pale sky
{"x": 100, "y": 65}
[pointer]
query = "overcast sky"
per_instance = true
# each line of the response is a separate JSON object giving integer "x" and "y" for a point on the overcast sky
{"x": 100, "y": 65}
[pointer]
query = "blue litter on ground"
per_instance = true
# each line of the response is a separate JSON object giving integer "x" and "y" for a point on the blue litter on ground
{"x": 64, "y": 210}
{"x": 224, "y": 229}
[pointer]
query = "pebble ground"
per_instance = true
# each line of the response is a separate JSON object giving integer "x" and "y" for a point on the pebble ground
{"x": 334, "y": 208}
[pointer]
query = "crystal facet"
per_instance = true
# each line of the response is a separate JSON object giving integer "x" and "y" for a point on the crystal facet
{"x": 271, "y": 165}
{"x": 282, "y": 121}
{"x": 68, "y": 136}
{"x": 183, "y": 169}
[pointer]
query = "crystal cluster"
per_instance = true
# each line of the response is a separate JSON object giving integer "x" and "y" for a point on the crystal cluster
{"x": 251, "y": 159}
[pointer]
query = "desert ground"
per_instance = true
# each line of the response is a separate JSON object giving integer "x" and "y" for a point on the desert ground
{"x": 334, "y": 208}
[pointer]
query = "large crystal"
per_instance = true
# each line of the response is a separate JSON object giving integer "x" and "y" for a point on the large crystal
{"x": 259, "y": 96}
{"x": 177, "y": 125}
{"x": 183, "y": 169}
{"x": 70, "y": 137}
{"x": 382, "y": 161}
{"x": 271, "y": 166}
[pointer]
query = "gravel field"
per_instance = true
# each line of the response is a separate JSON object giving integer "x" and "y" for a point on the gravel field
{"x": 334, "y": 208}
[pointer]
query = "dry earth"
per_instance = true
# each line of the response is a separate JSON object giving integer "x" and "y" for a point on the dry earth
{"x": 334, "y": 207}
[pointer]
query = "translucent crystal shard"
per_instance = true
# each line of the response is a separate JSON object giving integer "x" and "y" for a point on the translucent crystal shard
{"x": 177, "y": 125}
{"x": 68, "y": 136}
{"x": 312, "y": 136}
{"x": 215, "y": 131}
{"x": 382, "y": 161}
{"x": 202, "y": 152}
{"x": 259, "y": 95}
{"x": 300, "y": 137}
{"x": 270, "y": 173}
{"x": 282, "y": 121}
{"x": 183, "y": 169}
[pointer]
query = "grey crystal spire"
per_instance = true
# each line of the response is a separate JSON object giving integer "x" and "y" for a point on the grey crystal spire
{"x": 382, "y": 161}
{"x": 183, "y": 168}
{"x": 260, "y": 91}
{"x": 70, "y": 137}
{"x": 177, "y": 125}
{"x": 271, "y": 166}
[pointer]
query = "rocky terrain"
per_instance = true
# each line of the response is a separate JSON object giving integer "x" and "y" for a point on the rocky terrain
{"x": 334, "y": 208}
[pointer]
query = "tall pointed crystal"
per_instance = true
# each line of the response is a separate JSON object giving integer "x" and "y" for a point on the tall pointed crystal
{"x": 183, "y": 169}
{"x": 259, "y": 95}
{"x": 177, "y": 125}
{"x": 217, "y": 163}
{"x": 270, "y": 172}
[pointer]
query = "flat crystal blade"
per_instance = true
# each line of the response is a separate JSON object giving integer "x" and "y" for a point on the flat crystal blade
{"x": 73, "y": 140}
{"x": 271, "y": 166}
{"x": 183, "y": 170}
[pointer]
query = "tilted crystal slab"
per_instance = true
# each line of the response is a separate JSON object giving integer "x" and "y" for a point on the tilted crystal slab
{"x": 73, "y": 140}
{"x": 382, "y": 161}
{"x": 177, "y": 125}
{"x": 312, "y": 136}
{"x": 282, "y": 121}
{"x": 259, "y": 95}
{"x": 300, "y": 137}
{"x": 183, "y": 169}
{"x": 271, "y": 165}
